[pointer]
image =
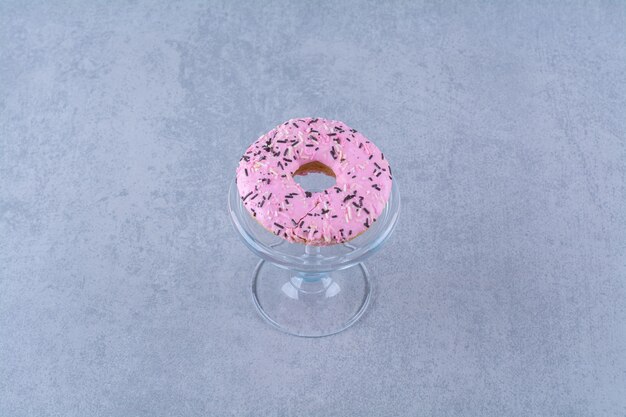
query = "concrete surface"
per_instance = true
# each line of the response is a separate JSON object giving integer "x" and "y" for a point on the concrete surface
{"x": 124, "y": 291}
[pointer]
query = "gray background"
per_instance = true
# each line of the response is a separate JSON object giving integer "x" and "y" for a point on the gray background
{"x": 124, "y": 289}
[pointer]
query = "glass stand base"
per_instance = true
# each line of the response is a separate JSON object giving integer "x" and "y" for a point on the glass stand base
{"x": 311, "y": 304}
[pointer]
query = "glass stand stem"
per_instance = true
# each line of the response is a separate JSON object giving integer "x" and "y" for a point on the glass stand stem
{"x": 312, "y": 255}
{"x": 310, "y": 283}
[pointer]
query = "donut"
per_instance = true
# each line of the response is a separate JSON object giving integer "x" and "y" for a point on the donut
{"x": 265, "y": 181}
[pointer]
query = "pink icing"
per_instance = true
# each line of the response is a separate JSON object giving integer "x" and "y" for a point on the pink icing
{"x": 335, "y": 215}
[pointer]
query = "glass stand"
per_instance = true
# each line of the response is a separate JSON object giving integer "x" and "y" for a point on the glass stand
{"x": 311, "y": 291}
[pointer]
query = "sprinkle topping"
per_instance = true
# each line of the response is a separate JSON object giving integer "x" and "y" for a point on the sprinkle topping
{"x": 335, "y": 215}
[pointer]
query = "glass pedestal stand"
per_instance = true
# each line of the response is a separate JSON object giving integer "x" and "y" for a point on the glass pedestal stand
{"x": 311, "y": 291}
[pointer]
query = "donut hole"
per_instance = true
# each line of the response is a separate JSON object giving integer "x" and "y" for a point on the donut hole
{"x": 314, "y": 176}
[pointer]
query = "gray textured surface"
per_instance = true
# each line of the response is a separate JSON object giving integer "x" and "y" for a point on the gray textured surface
{"x": 124, "y": 291}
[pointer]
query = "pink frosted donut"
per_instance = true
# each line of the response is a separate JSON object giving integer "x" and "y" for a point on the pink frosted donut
{"x": 338, "y": 214}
